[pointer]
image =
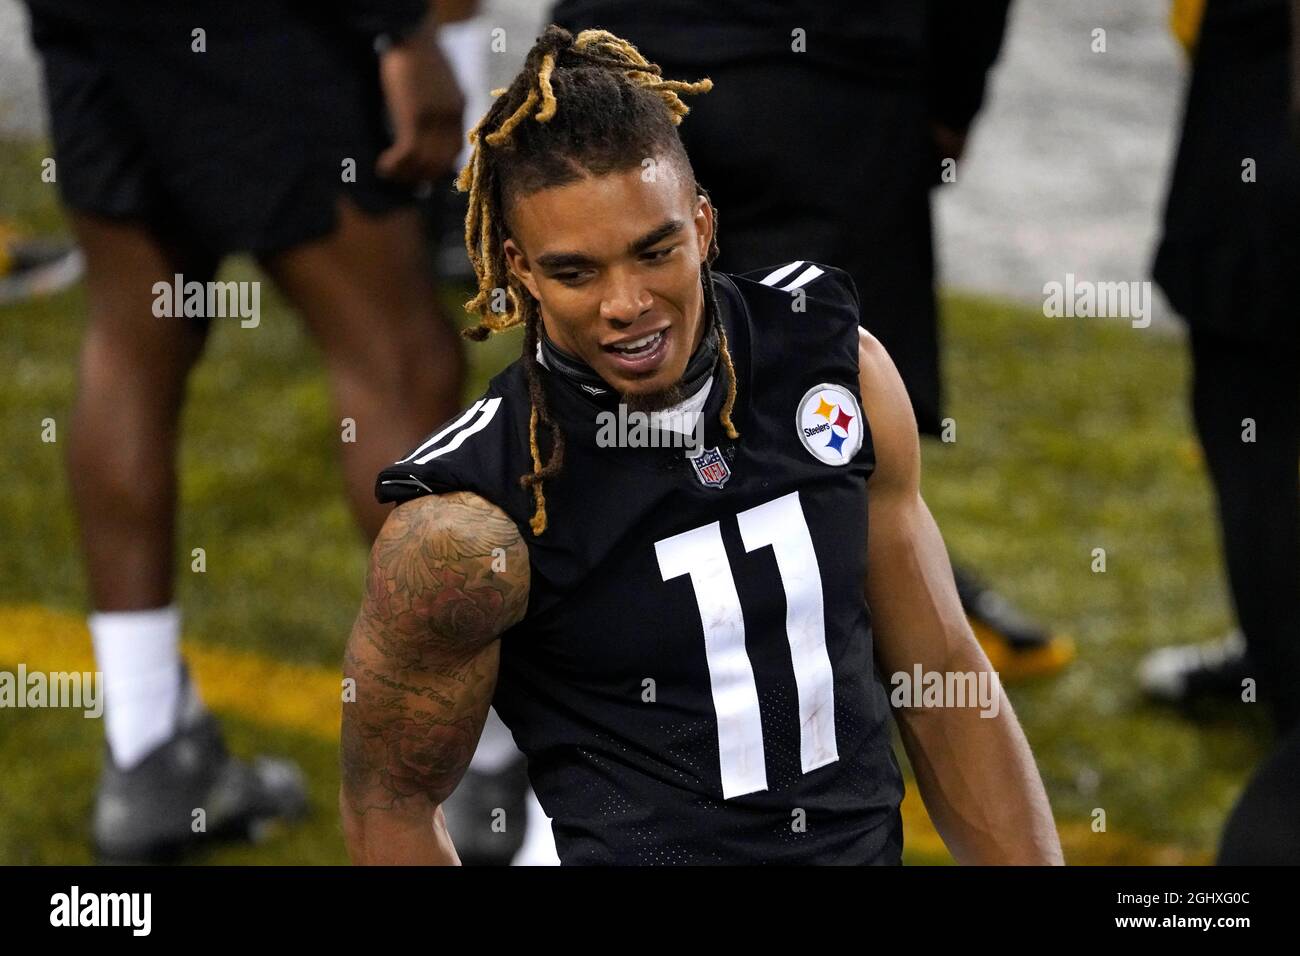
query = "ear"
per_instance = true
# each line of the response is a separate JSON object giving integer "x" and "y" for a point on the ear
{"x": 703, "y": 225}
{"x": 517, "y": 260}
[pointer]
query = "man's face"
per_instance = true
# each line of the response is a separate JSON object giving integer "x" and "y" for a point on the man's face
{"x": 614, "y": 261}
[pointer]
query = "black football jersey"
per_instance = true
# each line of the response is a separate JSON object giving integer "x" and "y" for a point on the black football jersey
{"x": 693, "y": 681}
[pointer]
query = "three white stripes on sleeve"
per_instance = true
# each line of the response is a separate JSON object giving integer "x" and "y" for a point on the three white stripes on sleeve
{"x": 808, "y": 274}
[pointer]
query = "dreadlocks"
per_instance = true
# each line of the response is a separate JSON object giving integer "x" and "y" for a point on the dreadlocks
{"x": 597, "y": 106}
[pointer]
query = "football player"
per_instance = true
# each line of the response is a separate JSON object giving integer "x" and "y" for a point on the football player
{"x": 681, "y": 631}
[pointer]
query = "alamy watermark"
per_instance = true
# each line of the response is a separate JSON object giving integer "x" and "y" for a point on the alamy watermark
{"x": 80, "y": 690}
{"x": 1086, "y": 299}
{"x": 209, "y": 300}
{"x": 637, "y": 429}
{"x": 951, "y": 689}
{"x": 130, "y": 910}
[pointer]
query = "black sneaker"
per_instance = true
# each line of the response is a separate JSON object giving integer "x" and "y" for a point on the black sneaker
{"x": 149, "y": 814}
{"x": 1187, "y": 674}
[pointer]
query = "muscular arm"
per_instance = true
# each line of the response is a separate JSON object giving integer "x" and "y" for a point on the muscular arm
{"x": 975, "y": 773}
{"x": 448, "y": 575}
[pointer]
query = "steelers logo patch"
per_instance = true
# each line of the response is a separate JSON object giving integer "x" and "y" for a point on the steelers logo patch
{"x": 829, "y": 423}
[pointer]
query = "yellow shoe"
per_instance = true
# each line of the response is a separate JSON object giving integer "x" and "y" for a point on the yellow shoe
{"x": 1018, "y": 648}
{"x": 1015, "y": 663}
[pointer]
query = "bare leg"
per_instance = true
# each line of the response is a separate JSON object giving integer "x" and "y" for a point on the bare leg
{"x": 395, "y": 362}
{"x": 131, "y": 384}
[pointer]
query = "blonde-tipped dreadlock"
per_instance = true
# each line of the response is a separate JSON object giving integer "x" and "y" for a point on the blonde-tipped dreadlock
{"x": 605, "y": 123}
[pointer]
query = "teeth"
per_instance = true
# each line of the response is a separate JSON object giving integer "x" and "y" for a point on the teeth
{"x": 639, "y": 344}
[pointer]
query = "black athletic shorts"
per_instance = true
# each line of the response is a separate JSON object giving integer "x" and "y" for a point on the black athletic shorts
{"x": 240, "y": 147}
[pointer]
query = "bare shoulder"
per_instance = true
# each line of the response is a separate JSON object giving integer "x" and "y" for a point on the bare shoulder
{"x": 452, "y": 567}
{"x": 889, "y": 413}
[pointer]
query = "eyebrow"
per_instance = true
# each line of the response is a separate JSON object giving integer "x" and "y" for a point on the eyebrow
{"x": 551, "y": 261}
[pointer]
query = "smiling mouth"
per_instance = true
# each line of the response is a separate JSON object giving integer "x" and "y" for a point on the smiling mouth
{"x": 641, "y": 356}
{"x": 639, "y": 346}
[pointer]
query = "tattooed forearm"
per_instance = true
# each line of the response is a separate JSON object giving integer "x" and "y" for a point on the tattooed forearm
{"x": 448, "y": 575}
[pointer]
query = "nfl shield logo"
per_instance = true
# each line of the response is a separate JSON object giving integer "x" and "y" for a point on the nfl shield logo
{"x": 711, "y": 468}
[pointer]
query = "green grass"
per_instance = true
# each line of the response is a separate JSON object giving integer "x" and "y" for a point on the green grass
{"x": 1071, "y": 434}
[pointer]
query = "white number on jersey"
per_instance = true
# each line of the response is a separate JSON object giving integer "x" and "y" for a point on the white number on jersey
{"x": 700, "y": 553}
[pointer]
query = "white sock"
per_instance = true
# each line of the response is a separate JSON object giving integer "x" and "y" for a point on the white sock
{"x": 139, "y": 654}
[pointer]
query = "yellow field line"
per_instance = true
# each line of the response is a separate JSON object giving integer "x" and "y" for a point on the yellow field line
{"x": 297, "y": 697}
{"x": 308, "y": 699}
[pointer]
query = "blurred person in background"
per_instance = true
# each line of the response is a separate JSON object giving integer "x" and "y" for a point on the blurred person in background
{"x": 1228, "y": 262}
{"x": 183, "y": 134}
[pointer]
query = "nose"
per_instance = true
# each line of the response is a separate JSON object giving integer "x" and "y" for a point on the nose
{"x": 626, "y": 299}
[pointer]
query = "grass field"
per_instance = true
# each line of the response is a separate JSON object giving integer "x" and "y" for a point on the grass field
{"x": 1071, "y": 434}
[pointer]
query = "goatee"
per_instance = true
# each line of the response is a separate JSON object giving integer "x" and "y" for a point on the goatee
{"x": 646, "y": 402}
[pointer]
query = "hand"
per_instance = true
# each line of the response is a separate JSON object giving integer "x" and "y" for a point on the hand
{"x": 426, "y": 108}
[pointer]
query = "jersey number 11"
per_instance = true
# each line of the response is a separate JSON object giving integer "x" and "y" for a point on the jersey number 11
{"x": 700, "y": 553}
